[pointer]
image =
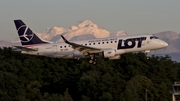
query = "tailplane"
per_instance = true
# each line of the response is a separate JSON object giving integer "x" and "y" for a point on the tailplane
{"x": 26, "y": 35}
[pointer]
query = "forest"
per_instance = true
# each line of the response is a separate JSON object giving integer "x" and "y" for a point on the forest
{"x": 37, "y": 78}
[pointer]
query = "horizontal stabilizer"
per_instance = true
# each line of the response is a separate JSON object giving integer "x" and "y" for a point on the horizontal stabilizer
{"x": 25, "y": 48}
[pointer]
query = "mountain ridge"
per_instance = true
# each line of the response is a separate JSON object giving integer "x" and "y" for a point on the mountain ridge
{"x": 83, "y": 28}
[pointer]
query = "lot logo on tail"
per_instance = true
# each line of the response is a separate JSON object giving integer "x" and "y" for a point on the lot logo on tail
{"x": 25, "y": 34}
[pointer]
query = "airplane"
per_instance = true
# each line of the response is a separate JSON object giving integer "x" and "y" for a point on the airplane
{"x": 111, "y": 47}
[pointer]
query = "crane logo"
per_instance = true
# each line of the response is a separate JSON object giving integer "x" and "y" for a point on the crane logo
{"x": 25, "y": 34}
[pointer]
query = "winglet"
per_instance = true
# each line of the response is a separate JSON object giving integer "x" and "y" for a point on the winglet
{"x": 65, "y": 40}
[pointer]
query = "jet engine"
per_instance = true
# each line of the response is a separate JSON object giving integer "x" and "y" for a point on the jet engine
{"x": 109, "y": 53}
{"x": 115, "y": 57}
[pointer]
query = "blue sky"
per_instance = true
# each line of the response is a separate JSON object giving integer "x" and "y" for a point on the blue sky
{"x": 133, "y": 16}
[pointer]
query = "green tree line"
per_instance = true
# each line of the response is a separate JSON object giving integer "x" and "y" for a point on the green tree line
{"x": 37, "y": 78}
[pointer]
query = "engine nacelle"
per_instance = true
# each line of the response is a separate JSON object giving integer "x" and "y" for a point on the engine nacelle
{"x": 115, "y": 57}
{"x": 109, "y": 53}
{"x": 77, "y": 54}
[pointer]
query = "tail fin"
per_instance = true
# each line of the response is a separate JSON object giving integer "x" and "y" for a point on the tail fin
{"x": 26, "y": 35}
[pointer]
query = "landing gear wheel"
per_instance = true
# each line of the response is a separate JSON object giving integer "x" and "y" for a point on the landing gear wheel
{"x": 94, "y": 62}
{"x": 146, "y": 53}
{"x": 91, "y": 61}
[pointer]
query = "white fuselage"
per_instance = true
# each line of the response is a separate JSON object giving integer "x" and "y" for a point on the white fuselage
{"x": 121, "y": 45}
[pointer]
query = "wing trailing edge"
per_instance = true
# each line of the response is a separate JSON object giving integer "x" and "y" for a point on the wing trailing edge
{"x": 82, "y": 48}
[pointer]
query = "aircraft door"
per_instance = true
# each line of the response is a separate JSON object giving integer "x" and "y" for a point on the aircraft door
{"x": 143, "y": 41}
{"x": 148, "y": 40}
{"x": 54, "y": 47}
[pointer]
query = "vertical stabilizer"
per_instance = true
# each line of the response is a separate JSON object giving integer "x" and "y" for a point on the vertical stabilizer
{"x": 26, "y": 35}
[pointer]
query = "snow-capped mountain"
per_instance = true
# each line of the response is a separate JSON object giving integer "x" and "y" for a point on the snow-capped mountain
{"x": 49, "y": 33}
{"x": 84, "y": 28}
{"x": 4, "y": 43}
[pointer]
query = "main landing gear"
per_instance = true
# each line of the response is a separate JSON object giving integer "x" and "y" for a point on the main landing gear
{"x": 92, "y": 59}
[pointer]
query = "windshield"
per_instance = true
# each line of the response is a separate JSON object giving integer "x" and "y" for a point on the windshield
{"x": 154, "y": 37}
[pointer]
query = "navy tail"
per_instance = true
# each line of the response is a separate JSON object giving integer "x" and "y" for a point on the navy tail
{"x": 26, "y": 35}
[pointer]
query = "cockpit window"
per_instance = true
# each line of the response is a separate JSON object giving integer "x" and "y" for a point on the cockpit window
{"x": 154, "y": 37}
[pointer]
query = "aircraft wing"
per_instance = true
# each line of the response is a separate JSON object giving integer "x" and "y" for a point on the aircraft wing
{"x": 25, "y": 48}
{"x": 83, "y": 49}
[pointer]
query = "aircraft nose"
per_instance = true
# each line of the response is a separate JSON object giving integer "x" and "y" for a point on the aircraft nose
{"x": 164, "y": 44}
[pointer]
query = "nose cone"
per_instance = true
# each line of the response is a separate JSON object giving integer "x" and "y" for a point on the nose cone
{"x": 164, "y": 44}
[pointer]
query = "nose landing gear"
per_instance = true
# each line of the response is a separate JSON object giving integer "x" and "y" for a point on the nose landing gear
{"x": 146, "y": 53}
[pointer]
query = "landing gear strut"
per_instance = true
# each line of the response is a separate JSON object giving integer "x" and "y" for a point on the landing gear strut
{"x": 92, "y": 59}
{"x": 146, "y": 53}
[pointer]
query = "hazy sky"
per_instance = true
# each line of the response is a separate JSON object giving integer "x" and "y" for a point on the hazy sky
{"x": 133, "y": 16}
